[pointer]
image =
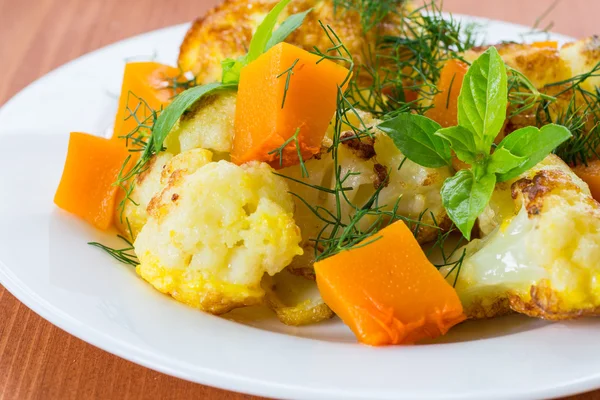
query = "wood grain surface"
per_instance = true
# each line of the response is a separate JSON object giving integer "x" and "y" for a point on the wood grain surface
{"x": 37, "y": 359}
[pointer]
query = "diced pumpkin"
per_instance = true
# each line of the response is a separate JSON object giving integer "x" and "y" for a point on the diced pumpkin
{"x": 145, "y": 89}
{"x": 590, "y": 175}
{"x": 445, "y": 102}
{"x": 545, "y": 44}
{"x": 264, "y": 122}
{"x": 387, "y": 291}
{"x": 86, "y": 188}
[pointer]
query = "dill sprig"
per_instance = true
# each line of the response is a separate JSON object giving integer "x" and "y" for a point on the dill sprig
{"x": 371, "y": 12}
{"x": 452, "y": 257}
{"x": 570, "y": 104}
{"x": 523, "y": 96}
{"x": 581, "y": 116}
{"x": 279, "y": 151}
{"x": 404, "y": 68}
{"x": 138, "y": 141}
{"x": 343, "y": 229}
{"x": 289, "y": 72}
{"x": 124, "y": 255}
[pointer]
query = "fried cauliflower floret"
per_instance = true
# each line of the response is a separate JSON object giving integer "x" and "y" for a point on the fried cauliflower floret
{"x": 147, "y": 184}
{"x": 541, "y": 259}
{"x": 212, "y": 234}
{"x": 226, "y": 30}
{"x": 152, "y": 180}
{"x": 582, "y": 56}
{"x": 367, "y": 164}
{"x": 208, "y": 124}
{"x": 542, "y": 65}
{"x": 546, "y": 68}
{"x": 546, "y": 65}
{"x": 295, "y": 301}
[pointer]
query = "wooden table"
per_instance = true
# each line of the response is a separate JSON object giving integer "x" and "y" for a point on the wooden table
{"x": 38, "y": 360}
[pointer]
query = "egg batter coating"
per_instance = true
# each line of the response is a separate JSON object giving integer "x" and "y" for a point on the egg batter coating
{"x": 226, "y": 31}
{"x": 541, "y": 255}
{"x": 213, "y": 234}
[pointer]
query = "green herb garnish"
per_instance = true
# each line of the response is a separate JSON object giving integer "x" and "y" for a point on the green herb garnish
{"x": 263, "y": 40}
{"x": 482, "y": 105}
{"x": 408, "y": 61}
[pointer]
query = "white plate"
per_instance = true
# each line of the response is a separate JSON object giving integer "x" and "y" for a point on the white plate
{"x": 45, "y": 263}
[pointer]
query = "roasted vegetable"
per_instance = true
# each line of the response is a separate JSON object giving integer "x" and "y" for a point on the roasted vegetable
{"x": 208, "y": 125}
{"x": 287, "y": 94}
{"x": 86, "y": 188}
{"x": 387, "y": 291}
{"x": 412, "y": 190}
{"x": 567, "y": 73}
{"x": 445, "y": 103}
{"x": 591, "y": 175}
{"x": 225, "y": 32}
{"x": 540, "y": 250}
{"x": 210, "y": 249}
{"x": 296, "y": 301}
{"x": 147, "y": 184}
{"x": 147, "y": 87}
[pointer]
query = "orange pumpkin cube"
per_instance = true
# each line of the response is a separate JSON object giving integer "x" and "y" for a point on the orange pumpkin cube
{"x": 145, "y": 89}
{"x": 590, "y": 174}
{"x": 87, "y": 188}
{"x": 387, "y": 291}
{"x": 445, "y": 102}
{"x": 264, "y": 121}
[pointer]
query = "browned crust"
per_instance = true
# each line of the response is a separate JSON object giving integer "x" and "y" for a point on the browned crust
{"x": 147, "y": 170}
{"x": 382, "y": 178}
{"x": 533, "y": 191}
{"x": 546, "y": 304}
{"x": 477, "y": 310}
{"x": 542, "y": 65}
{"x": 226, "y": 31}
{"x": 156, "y": 204}
{"x": 363, "y": 148}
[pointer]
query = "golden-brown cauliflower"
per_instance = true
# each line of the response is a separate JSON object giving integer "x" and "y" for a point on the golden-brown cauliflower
{"x": 147, "y": 184}
{"x": 153, "y": 179}
{"x": 212, "y": 235}
{"x": 295, "y": 301}
{"x": 225, "y": 32}
{"x": 373, "y": 162}
{"x": 542, "y": 65}
{"x": 542, "y": 258}
{"x": 546, "y": 67}
{"x": 208, "y": 124}
{"x": 582, "y": 56}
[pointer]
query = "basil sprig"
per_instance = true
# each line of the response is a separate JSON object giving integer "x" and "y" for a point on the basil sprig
{"x": 482, "y": 107}
{"x": 263, "y": 40}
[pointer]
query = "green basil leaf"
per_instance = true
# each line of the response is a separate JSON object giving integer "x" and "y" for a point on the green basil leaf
{"x": 533, "y": 144}
{"x": 414, "y": 135}
{"x": 258, "y": 44}
{"x": 465, "y": 198}
{"x": 288, "y": 26}
{"x": 483, "y": 98}
{"x": 461, "y": 141}
{"x": 232, "y": 70}
{"x": 169, "y": 116}
{"x": 503, "y": 161}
